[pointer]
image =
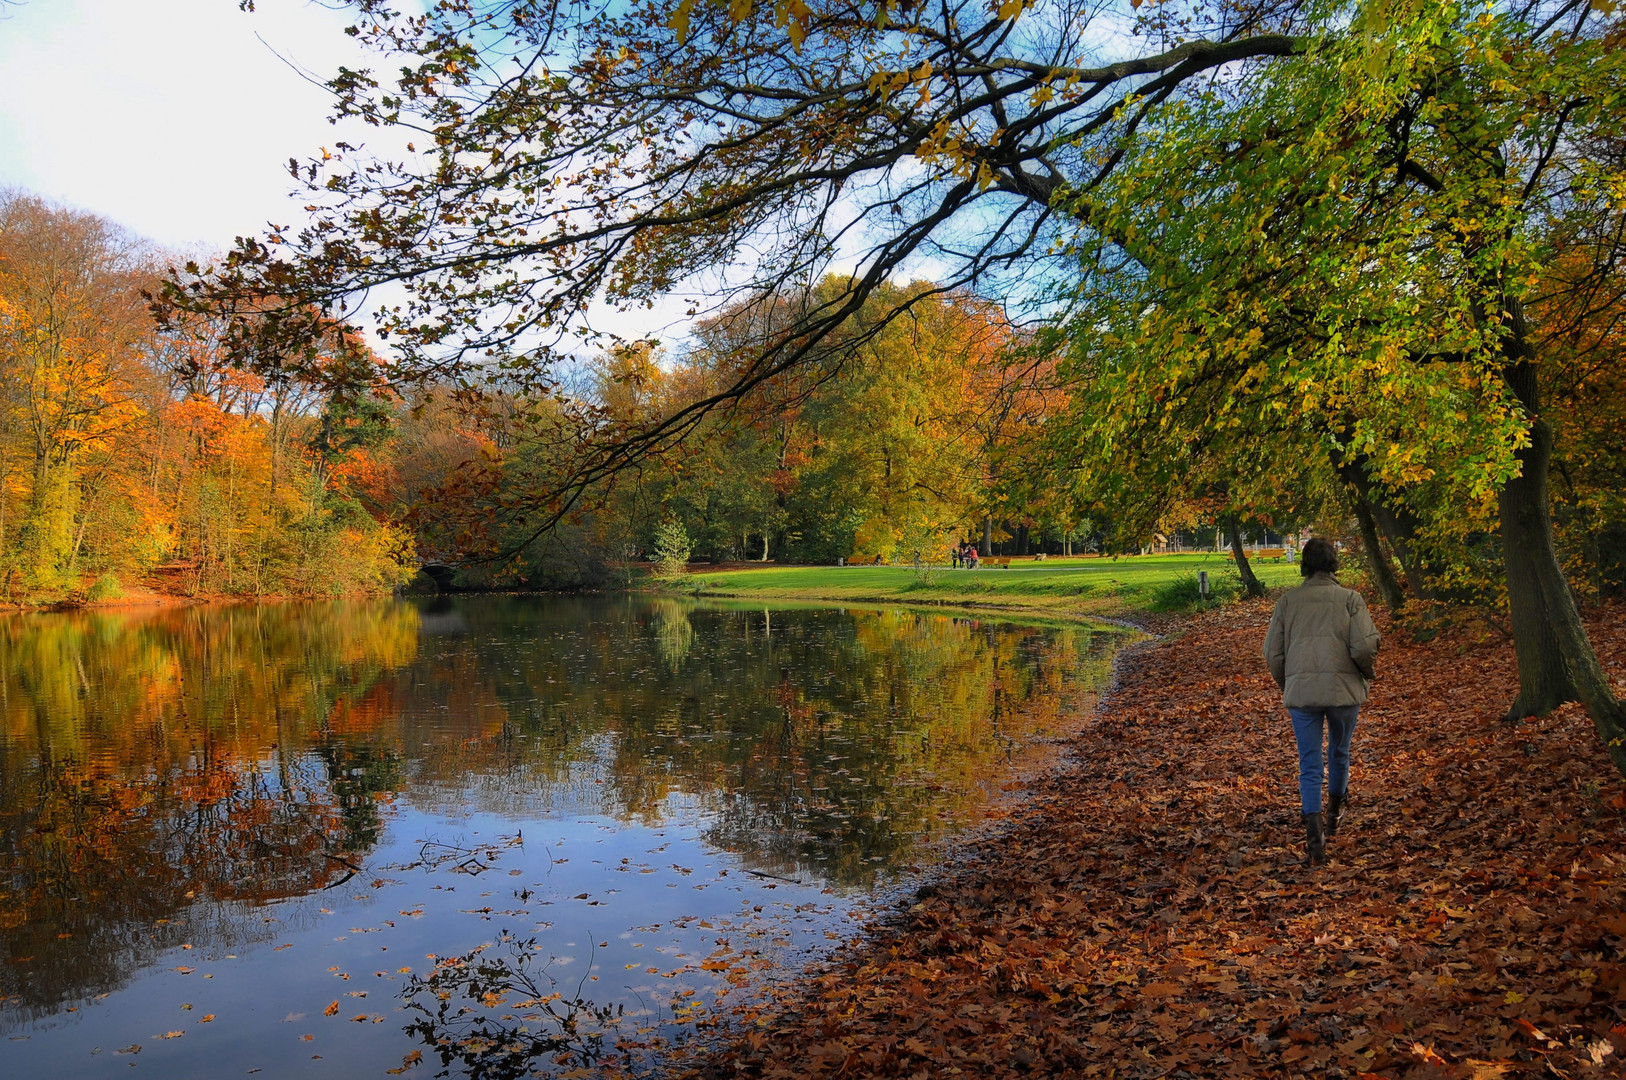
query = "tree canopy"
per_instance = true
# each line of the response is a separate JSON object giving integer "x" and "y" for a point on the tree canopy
{"x": 556, "y": 157}
{"x": 1320, "y": 233}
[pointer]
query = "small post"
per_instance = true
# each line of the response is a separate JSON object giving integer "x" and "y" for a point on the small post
{"x": 1202, "y": 584}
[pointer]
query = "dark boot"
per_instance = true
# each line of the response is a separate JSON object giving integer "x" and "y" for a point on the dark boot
{"x": 1315, "y": 839}
{"x": 1335, "y": 806}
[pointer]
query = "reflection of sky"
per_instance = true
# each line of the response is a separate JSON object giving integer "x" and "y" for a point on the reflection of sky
{"x": 608, "y": 903}
{"x": 639, "y": 784}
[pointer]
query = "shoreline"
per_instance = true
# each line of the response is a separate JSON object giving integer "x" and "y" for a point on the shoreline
{"x": 1124, "y": 618}
{"x": 1144, "y": 912}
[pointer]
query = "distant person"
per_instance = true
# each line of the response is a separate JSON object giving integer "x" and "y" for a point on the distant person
{"x": 973, "y": 556}
{"x": 954, "y": 556}
{"x": 1321, "y": 648}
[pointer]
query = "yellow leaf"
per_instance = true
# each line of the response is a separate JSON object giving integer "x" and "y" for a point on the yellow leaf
{"x": 679, "y": 22}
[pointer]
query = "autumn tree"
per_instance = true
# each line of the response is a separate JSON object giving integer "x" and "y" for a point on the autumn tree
{"x": 1351, "y": 244}
{"x": 126, "y": 442}
{"x": 70, "y": 317}
{"x": 574, "y": 156}
{"x": 1346, "y": 201}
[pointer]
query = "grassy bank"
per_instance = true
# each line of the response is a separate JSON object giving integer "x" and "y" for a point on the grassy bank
{"x": 1079, "y": 587}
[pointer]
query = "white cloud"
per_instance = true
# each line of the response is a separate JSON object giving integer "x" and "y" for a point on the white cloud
{"x": 171, "y": 117}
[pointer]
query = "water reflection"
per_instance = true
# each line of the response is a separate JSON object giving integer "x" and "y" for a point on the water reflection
{"x": 197, "y": 781}
{"x": 142, "y": 773}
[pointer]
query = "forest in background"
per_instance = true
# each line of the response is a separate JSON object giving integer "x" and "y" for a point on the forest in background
{"x": 128, "y": 451}
{"x": 137, "y": 452}
{"x": 133, "y": 452}
{"x": 142, "y": 452}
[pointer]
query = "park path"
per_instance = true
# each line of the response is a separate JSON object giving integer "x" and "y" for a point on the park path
{"x": 1143, "y": 912}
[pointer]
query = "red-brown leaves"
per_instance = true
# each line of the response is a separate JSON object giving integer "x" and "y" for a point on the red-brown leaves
{"x": 1145, "y": 912}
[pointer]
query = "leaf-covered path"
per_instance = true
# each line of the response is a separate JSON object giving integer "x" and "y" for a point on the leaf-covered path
{"x": 1145, "y": 913}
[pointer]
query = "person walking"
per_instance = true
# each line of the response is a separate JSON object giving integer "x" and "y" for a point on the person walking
{"x": 1321, "y": 648}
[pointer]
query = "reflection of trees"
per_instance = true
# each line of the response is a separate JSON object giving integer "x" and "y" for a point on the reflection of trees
{"x": 674, "y": 633}
{"x": 359, "y": 777}
{"x": 188, "y": 765}
{"x": 454, "y": 1006}
{"x": 829, "y": 741}
{"x": 154, "y": 785}
{"x": 914, "y": 718}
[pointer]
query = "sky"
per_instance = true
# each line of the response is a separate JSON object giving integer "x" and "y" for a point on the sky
{"x": 174, "y": 118}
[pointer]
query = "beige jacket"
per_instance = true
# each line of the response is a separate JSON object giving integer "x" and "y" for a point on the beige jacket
{"x": 1321, "y": 645}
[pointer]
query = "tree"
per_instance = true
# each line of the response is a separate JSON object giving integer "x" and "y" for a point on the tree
{"x": 1346, "y": 202}
{"x": 1356, "y": 240}
{"x": 70, "y": 317}
{"x": 572, "y": 156}
{"x": 671, "y": 548}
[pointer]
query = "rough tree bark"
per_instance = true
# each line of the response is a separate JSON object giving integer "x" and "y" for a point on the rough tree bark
{"x": 1251, "y": 585}
{"x": 1556, "y": 660}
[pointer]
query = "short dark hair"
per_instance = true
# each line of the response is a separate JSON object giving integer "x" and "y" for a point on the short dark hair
{"x": 1318, "y": 556}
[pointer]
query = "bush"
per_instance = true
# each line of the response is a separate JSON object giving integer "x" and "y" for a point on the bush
{"x": 105, "y": 588}
{"x": 672, "y": 549}
{"x": 1183, "y": 593}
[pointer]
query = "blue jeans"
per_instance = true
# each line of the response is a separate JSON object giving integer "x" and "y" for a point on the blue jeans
{"x": 1307, "y": 729}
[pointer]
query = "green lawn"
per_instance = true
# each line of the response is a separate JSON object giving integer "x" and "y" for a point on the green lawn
{"x": 1057, "y": 586}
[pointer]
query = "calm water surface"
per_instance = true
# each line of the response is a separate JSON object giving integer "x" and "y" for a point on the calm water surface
{"x": 240, "y": 839}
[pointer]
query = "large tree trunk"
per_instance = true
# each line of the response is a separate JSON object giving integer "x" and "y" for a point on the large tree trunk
{"x": 1556, "y": 659}
{"x": 1251, "y": 585}
{"x": 1383, "y": 574}
{"x": 987, "y": 537}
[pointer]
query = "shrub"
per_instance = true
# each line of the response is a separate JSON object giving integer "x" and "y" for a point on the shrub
{"x": 1183, "y": 593}
{"x": 927, "y": 576}
{"x": 672, "y": 548}
{"x": 105, "y": 588}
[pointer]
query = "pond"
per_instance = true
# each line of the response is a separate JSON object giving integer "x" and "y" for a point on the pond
{"x": 492, "y": 835}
